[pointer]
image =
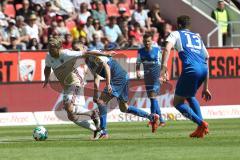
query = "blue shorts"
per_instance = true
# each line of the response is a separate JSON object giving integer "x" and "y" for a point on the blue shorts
{"x": 119, "y": 81}
{"x": 189, "y": 82}
{"x": 151, "y": 77}
{"x": 119, "y": 88}
{"x": 152, "y": 87}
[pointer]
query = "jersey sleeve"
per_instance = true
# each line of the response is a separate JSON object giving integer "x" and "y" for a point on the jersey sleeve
{"x": 47, "y": 61}
{"x": 139, "y": 58}
{"x": 72, "y": 53}
{"x": 172, "y": 38}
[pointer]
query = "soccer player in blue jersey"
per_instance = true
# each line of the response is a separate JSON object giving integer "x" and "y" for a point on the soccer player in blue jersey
{"x": 117, "y": 82}
{"x": 150, "y": 57}
{"x": 194, "y": 57}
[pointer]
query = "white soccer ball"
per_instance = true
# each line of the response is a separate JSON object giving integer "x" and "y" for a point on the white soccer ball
{"x": 40, "y": 133}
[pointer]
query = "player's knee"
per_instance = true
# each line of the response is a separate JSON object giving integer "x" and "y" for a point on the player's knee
{"x": 177, "y": 100}
{"x": 71, "y": 117}
{"x": 151, "y": 95}
{"x": 69, "y": 108}
{"x": 123, "y": 107}
{"x": 101, "y": 103}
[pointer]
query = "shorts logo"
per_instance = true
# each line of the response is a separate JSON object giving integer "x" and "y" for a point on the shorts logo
{"x": 27, "y": 69}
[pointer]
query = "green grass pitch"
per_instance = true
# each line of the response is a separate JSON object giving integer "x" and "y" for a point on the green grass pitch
{"x": 128, "y": 141}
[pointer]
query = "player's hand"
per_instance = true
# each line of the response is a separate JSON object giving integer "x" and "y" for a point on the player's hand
{"x": 138, "y": 75}
{"x": 109, "y": 88}
{"x": 163, "y": 77}
{"x": 45, "y": 84}
{"x": 206, "y": 95}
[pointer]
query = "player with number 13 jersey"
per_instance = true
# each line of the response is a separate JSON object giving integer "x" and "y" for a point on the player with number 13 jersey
{"x": 194, "y": 57}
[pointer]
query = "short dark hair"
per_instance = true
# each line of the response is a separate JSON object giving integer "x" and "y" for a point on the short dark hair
{"x": 184, "y": 21}
{"x": 147, "y": 35}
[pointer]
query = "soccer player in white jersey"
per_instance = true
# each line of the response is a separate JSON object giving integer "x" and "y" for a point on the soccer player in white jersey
{"x": 194, "y": 57}
{"x": 62, "y": 62}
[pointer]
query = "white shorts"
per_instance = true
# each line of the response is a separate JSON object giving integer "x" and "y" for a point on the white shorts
{"x": 74, "y": 95}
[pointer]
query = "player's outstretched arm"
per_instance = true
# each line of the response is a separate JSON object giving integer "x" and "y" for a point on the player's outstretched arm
{"x": 138, "y": 64}
{"x": 108, "y": 77}
{"x": 47, "y": 72}
{"x": 165, "y": 57}
{"x": 96, "y": 87}
{"x": 99, "y": 53}
{"x": 206, "y": 94}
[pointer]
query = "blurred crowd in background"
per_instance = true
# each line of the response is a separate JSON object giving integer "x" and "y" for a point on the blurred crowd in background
{"x": 96, "y": 24}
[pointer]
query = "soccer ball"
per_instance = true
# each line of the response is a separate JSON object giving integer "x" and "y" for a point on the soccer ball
{"x": 40, "y": 133}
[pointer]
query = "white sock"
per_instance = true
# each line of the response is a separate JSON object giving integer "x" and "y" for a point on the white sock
{"x": 86, "y": 124}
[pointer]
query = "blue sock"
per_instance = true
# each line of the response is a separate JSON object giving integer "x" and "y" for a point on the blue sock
{"x": 155, "y": 108}
{"x": 103, "y": 116}
{"x": 188, "y": 112}
{"x": 152, "y": 107}
{"x": 193, "y": 103}
{"x": 138, "y": 112}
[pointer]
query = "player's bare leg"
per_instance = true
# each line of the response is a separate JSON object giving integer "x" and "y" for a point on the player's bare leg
{"x": 73, "y": 115}
{"x": 202, "y": 128}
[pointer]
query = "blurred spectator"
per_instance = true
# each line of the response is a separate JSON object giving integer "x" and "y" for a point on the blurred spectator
{"x": 41, "y": 2}
{"x": 112, "y": 30}
{"x": 32, "y": 29}
{"x": 66, "y": 6}
{"x": 2, "y": 48}
{"x": 25, "y": 11}
{"x": 21, "y": 26}
{"x": 89, "y": 28}
{"x": 15, "y": 2}
{"x": 96, "y": 43}
{"x": 99, "y": 13}
{"x": 137, "y": 32}
{"x": 155, "y": 19}
{"x": 53, "y": 29}
{"x": 61, "y": 27}
{"x": 132, "y": 43}
{"x": 83, "y": 41}
{"x": 76, "y": 45}
{"x": 84, "y": 13}
{"x": 122, "y": 18}
{"x": 38, "y": 10}
{"x": 2, "y": 16}
{"x": 140, "y": 16}
{"x": 108, "y": 45}
{"x": 49, "y": 13}
{"x": 67, "y": 43}
{"x": 77, "y": 3}
{"x": 97, "y": 29}
{"x": 125, "y": 29}
{"x": 78, "y": 31}
{"x": 10, "y": 30}
{"x": 34, "y": 45}
{"x": 221, "y": 16}
{"x": 14, "y": 43}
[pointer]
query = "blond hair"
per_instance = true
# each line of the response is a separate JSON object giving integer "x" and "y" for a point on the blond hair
{"x": 55, "y": 42}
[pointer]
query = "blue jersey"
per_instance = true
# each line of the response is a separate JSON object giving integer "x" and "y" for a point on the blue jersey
{"x": 190, "y": 47}
{"x": 119, "y": 77}
{"x": 193, "y": 55}
{"x": 151, "y": 61}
